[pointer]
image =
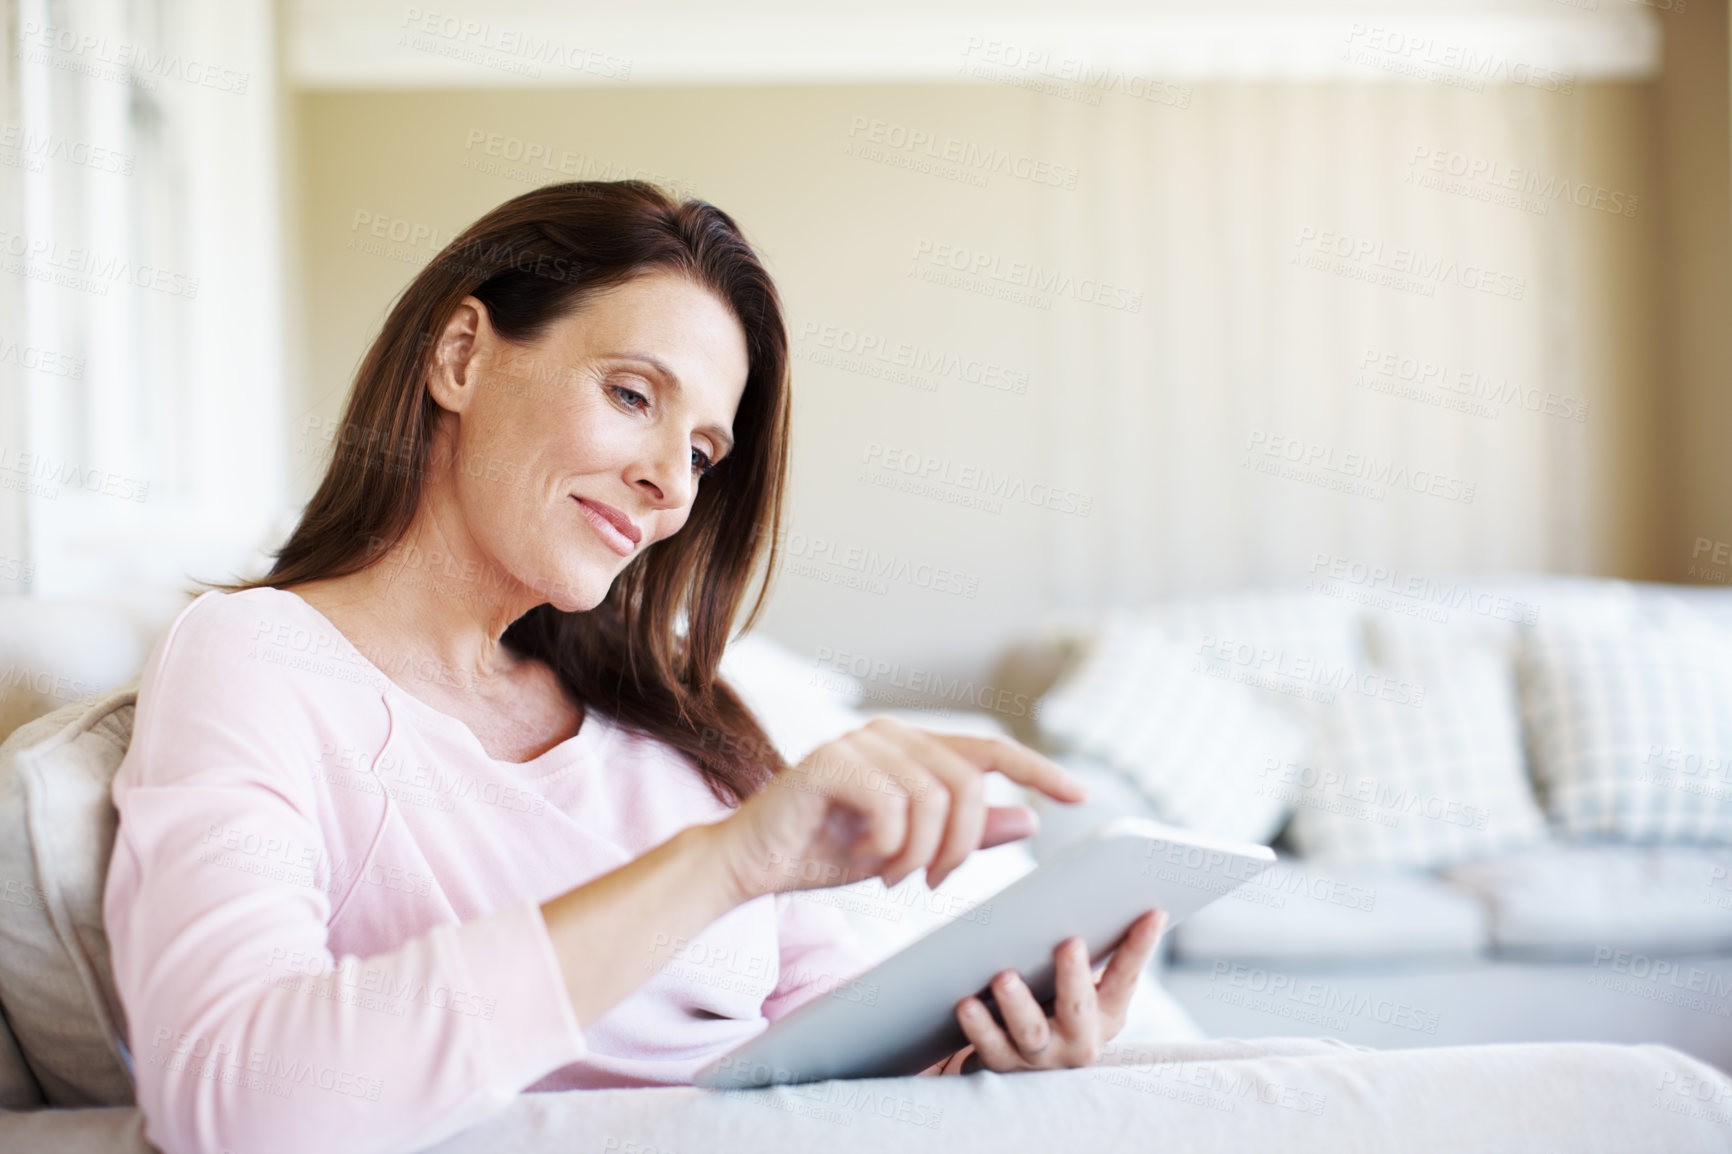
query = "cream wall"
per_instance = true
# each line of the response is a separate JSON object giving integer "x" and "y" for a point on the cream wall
{"x": 1199, "y": 207}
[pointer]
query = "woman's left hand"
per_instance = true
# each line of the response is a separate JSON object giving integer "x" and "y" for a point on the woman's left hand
{"x": 1086, "y": 1013}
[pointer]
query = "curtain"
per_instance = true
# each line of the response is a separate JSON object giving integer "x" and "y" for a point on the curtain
{"x": 1401, "y": 325}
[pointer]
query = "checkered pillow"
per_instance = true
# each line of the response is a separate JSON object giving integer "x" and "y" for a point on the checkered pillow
{"x": 1422, "y": 785}
{"x": 1630, "y": 730}
{"x": 1193, "y": 741}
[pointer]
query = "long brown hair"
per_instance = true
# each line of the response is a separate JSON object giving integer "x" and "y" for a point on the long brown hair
{"x": 532, "y": 261}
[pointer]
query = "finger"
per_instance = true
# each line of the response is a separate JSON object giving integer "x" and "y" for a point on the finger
{"x": 847, "y": 774}
{"x": 1113, "y": 991}
{"x": 1075, "y": 1008}
{"x": 966, "y": 820}
{"x": 1017, "y": 762}
{"x": 1008, "y": 823}
{"x": 927, "y": 803}
{"x": 1024, "y": 1020}
{"x": 990, "y": 1044}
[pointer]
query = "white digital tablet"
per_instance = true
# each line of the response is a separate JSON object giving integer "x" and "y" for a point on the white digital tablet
{"x": 900, "y": 1016}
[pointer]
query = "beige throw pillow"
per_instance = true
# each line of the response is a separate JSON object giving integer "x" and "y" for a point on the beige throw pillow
{"x": 57, "y": 826}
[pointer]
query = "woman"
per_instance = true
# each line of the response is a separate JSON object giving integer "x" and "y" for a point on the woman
{"x": 421, "y": 819}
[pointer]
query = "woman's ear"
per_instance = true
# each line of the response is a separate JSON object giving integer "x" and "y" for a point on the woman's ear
{"x": 450, "y": 379}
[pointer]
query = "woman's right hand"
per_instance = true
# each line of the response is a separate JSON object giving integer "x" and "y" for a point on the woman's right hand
{"x": 885, "y": 799}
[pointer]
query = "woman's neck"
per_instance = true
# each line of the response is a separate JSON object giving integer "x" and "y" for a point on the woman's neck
{"x": 430, "y": 603}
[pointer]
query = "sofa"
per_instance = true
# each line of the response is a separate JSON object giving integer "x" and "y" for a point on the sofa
{"x": 1503, "y": 806}
{"x": 65, "y": 1080}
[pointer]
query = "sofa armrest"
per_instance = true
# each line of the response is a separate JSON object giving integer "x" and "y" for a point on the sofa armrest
{"x": 1300, "y": 1096}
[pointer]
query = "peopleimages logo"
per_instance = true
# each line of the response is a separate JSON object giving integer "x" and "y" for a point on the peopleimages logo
{"x": 1361, "y": 797}
{"x": 41, "y": 360}
{"x": 1417, "y": 587}
{"x": 924, "y": 683}
{"x": 1362, "y": 258}
{"x": 1425, "y": 57}
{"x": 1398, "y": 373}
{"x": 942, "y": 478}
{"x": 1523, "y": 188}
{"x": 504, "y": 48}
{"x": 1310, "y": 1000}
{"x": 859, "y": 350}
{"x": 1041, "y": 70}
{"x": 968, "y": 156}
{"x": 70, "y": 50}
{"x": 1019, "y": 281}
{"x": 807, "y": 550}
{"x": 1355, "y": 470}
{"x": 1272, "y": 668}
{"x": 87, "y": 269}
{"x": 17, "y": 139}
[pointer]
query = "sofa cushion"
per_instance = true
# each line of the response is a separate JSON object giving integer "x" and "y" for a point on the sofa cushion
{"x": 1572, "y": 902}
{"x": 1298, "y": 911}
{"x": 1630, "y": 728}
{"x": 57, "y": 825}
{"x": 1194, "y": 740}
{"x": 1430, "y": 777}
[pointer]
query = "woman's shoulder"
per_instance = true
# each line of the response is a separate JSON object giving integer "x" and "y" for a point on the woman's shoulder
{"x": 261, "y": 628}
{"x": 262, "y": 644}
{"x": 252, "y": 676}
{"x": 217, "y": 612}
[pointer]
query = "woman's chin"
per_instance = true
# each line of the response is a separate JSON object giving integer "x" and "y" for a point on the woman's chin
{"x": 577, "y": 592}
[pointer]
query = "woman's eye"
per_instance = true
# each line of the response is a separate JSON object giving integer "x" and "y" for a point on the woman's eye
{"x": 701, "y": 465}
{"x": 632, "y": 396}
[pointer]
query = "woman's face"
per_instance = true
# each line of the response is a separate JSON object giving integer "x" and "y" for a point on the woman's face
{"x": 567, "y": 457}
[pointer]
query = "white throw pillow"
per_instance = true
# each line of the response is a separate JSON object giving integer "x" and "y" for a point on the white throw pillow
{"x": 1291, "y": 648}
{"x": 1434, "y": 782}
{"x": 1195, "y": 741}
{"x": 1630, "y": 729}
{"x": 800, "y": 705}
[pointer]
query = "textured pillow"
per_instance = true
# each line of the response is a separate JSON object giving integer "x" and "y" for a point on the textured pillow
{"x": 1292, "y": 649}
{"x": 57, "y": 825}
{"x": 1435, "y": 784}
{"x": 1195, "y": 741}
{"x": 1630, "y": 729}
{"x": 18, "y": 1087}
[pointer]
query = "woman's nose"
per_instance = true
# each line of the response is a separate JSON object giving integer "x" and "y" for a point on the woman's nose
{"x": 666, "y": 475}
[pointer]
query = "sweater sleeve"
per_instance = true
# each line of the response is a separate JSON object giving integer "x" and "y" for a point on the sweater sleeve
{"x": 246, "y": 1033}
{"x": 819, "y": 953}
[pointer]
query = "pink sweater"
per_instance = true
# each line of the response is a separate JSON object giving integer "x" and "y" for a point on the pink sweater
{"x": 323, "y": 902}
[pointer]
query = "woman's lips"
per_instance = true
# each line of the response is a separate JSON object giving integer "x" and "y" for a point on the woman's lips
{"x": 609, "y": 532}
